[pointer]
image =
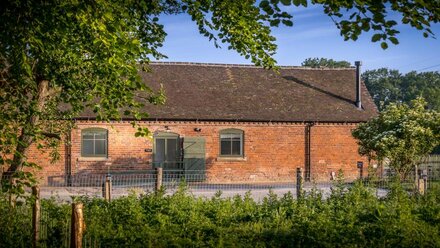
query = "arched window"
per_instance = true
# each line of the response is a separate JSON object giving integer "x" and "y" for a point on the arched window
{"x": 231, "y": 143}
{"x": 94, "y": 142}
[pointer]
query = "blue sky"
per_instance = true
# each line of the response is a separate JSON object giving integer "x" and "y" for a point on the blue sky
{"x": 312, "y": 35}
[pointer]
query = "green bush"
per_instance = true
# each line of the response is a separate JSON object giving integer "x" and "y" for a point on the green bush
{"x": 349, "y": 217}
{"x": 15, "y": 224}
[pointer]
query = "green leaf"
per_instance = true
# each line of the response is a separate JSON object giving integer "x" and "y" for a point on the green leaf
{"x": 376, "y": 37}
{"x": 297, "y": 3}
{"x": 135, "y": 42}
{"x": 304, "y": 3}
{"x": 384, "y": 45}
{"x": 264, "y": 4}
{"x": 275, "y": 23}
{"x": 288, "y": 23}
{"x": 394, "y": 40}
{"x": 286, "y": 2}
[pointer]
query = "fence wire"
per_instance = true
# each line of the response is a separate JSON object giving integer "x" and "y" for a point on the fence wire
{"x": 200, "y": 184}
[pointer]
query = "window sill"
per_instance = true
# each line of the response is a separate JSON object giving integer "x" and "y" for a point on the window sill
{"x": 94, "y": 159}
{"x": 232, "y": 159}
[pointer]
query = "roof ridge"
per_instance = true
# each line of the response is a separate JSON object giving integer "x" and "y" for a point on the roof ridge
{"x": 243, "y": 65}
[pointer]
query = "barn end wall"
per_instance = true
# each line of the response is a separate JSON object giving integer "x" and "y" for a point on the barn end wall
{"x": 272, "y": 151}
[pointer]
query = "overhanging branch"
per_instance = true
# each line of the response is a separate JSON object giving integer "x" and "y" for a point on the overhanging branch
{"x": 51, "y": 135}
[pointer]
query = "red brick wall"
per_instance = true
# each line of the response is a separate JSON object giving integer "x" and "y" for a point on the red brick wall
{"x": 51, "y": 171}
{"x": 272, "y": 151}
{"x": 333, "y": 148}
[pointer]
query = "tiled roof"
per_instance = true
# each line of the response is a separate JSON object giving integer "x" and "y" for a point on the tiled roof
{"x": 198, "y": 91}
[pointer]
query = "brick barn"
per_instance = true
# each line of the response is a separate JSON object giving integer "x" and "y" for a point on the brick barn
{"x": 230, "y": 123}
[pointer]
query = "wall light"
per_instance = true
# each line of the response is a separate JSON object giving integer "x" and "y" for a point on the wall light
{"x": 197, "y": 129}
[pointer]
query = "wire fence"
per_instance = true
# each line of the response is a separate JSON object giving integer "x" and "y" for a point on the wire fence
{"x": 54, "y": 231}
{"x": 124, "y": 183}
{"x": 202, "y": 183}
{"x": 198, "y": 183}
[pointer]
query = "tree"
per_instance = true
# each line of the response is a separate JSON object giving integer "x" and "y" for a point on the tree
{"x": 353, "y": 18}
{"x": 424, "y": 84}
{"x": 387, "y": 86}
{"x": 402, "y": 134}
{"x": 384, "y": 85}
{"x": 60, "y": 58}
{"x": 323, "y": 62}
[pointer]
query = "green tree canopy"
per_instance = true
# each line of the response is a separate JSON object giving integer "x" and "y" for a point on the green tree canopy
{"x": 403, "y": 134}
{"x": 387, "y": 86}
{"x": 59, "y": 58}
{"x": 323, "y": 62}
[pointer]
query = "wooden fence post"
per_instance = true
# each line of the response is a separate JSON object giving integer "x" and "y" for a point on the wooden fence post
{"x": 77, "y": 225}
{"x": 421, "y": 186}
{"x": 159, "y": 175}
{"x": 425, "y": 183}
{"x": 36, "y": 214}
{"x": 422, "y": 183}
{"x": 108, "y": 188}
{"x": 12, "y": 200}
{"x": 299, "y": 183}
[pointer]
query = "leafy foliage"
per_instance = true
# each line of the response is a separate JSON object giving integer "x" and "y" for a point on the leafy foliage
{"x": 353, "y": 18}
{"x": 62, "y": 58}
{"x": 402, "y": 134}
{"x": 364, "y": 16}
{"x": 387, "y": 86}
{"x": 323, "y": 62}
{"x": 240, "y": 24}
{"x": 349, "y": 217}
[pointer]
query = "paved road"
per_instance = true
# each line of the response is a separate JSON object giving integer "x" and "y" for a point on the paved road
{"x": 258, "y": 191}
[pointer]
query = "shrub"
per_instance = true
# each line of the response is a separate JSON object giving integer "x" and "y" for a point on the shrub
{"x": 350, "y": 217}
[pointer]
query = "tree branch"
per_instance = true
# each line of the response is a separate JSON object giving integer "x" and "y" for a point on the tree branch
{"x": 52, "y": 135}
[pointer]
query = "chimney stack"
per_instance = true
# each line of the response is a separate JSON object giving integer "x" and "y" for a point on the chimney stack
{"x": 358, "y": 84}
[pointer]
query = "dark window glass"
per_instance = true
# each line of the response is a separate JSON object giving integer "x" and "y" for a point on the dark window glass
{"x": 94, "y": 143}
{"x": 160, "y": 150}
{"x": 87, "y": 146}
{"x": 172, "y": 150}
{"x": 101, "y": 136}
{"x": 88, "y": 136}
{"x": 236, "y": 148}
{"x": 167, "y": 151}
{"x": 225, "y": 147}
{"x": 100, "y": 147}
{"x": 231, "y": 143}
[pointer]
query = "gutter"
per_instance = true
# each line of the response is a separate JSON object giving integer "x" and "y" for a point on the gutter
{"x": 68, "y": 158}
{"x": 308, "y": 155}
{"x": 224, "y": 120}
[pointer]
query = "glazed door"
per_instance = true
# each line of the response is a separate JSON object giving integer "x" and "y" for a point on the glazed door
{"x": 194, "y": 158}
{"x": 167, "y": 152}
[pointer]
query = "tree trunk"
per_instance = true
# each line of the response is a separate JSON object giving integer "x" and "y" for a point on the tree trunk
{"x": 26, "y": 137}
